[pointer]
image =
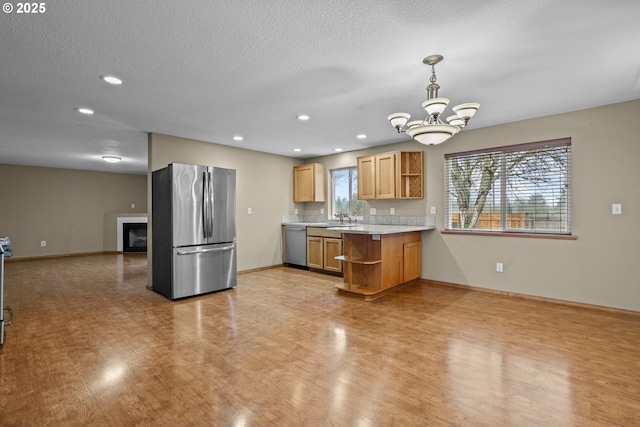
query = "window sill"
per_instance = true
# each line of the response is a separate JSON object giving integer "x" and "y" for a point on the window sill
{"x": 507, "y": 234}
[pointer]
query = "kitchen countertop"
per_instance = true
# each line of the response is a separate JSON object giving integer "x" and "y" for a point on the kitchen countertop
{"x": 364, "y": 228}
{"x": 315, "y": 224}
{"x": 380, "y": 229}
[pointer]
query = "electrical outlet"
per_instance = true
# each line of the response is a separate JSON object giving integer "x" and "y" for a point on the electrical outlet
{"x": 372, "y": 211}
{"x": 392, "y": 211}
{"x": 133, "y": 205}
{"x": 433, "y": 210}
{"x": 499, "y": 267}
{"x": 616, "y": 209}
{"x": 43, "y": 243}
{"x": 249, "y": 211}
{"x": 296, "y": 211}
{"x": 321, "y": 211}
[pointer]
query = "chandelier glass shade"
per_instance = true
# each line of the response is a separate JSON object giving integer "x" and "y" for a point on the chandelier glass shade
{"x": 432, "y": 130}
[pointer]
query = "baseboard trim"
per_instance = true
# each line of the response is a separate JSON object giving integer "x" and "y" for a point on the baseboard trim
{"x": 533, "y": 297}
{"x": 253, "y": 270}
{"x": 34, "y": 258}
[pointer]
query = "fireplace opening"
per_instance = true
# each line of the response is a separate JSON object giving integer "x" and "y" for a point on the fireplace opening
{"x": 134, "y": 237}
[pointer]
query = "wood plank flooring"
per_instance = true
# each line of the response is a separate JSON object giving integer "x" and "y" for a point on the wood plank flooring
{"x": 90, "y": 345}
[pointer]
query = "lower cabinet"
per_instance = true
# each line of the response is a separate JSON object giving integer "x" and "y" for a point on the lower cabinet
{"x": 322, "y": 248}
{"x": 377, "y": 265}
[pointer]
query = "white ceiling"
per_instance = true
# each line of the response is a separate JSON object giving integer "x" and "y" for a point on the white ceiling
{"x": 209, "y": 70}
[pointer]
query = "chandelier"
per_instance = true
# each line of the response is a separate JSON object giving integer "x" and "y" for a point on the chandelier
{"x": 432, "y": 130}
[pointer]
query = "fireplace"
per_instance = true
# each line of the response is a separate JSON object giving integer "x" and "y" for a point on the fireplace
{"x": 134, "y": 237}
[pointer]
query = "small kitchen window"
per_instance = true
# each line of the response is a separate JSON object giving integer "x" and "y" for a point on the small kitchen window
{"x": 344, "y": 184}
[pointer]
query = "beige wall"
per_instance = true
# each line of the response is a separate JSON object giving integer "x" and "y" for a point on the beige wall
{"x": 601, "y": 267}
{"x": 64, "y": 207}
{"x": 264, "y": 183}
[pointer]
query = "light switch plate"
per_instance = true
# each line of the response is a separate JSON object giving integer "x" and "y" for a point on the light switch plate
{"x": 372, "y": 211}
{"x": 248, "y": 211}
{"x": 616, "y": 209}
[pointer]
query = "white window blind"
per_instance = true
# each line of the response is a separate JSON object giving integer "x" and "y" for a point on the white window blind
{"x": 522, "y": 188}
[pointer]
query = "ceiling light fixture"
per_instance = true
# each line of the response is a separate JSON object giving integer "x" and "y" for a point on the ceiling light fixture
{"x": 112, "y": 80}
{"x": 83, "y": 110}
{"x": 337, "y": 150}
{"x": 297, "y": 150}
{"x": 111, "y": 159}
{"x": 238, "y": 138}
{"x": 361, "y": 136}
{"x": 303, "y": 117}
{"x": 432, "y": 130}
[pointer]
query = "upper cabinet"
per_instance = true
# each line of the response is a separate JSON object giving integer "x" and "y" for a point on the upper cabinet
{"x": 395, "y": 175}
{"x": 309, "y": 183}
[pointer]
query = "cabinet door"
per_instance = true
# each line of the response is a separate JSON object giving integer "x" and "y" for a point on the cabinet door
{"x": 385, "y": 173}
{"x": 412, "y": 261}
{"x": 366, "y": 178}
{"x": 315, "y": 254}
{"x": 303, "y": 183}
{"x": 332, "y": 248}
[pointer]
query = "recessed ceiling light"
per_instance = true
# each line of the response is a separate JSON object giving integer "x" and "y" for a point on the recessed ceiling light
{"x": 238, "y": 138}
{"x": 112, "y": 80}
{"x": 111, "y": 159}
{"x": 297, "y": 149}
{"x": 361, "y": 136}
{"x": 303, "y": 117}
{"x": 84, "y": 110}
{"x": 337, "y": 150}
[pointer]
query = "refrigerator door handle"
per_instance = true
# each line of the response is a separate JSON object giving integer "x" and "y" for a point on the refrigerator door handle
{"x": 224, "y": 248}
{"x": 205, "y": 206}
{"x": 211, "y": 206}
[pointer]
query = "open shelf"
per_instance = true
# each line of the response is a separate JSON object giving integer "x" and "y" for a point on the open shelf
{"x": 358, "y": 260}
{"x": 373, "y": 268}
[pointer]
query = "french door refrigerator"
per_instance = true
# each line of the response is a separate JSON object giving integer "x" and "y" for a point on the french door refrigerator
{"x": 193, "y": 230}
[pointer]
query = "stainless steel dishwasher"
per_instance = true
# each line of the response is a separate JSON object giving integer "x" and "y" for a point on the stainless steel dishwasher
{"x": 295, "y": 245}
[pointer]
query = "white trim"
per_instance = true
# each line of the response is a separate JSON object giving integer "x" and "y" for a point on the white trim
{"x": 122, "y": 220}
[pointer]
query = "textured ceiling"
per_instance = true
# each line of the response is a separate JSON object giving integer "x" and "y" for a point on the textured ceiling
{"x": 209, "y": 70}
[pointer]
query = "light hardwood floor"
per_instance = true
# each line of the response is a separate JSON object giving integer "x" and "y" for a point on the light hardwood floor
{"x": 90, "y": 345}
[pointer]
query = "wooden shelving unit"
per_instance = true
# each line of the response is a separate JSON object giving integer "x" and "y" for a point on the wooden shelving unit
{"x": 373, "y": 268}
{"x": 410, "y": 182}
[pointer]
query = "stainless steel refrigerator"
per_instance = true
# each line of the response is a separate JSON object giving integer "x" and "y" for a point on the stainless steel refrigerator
{"x": 193, "y": 230}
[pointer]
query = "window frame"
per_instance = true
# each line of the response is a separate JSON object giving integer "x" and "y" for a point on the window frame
{"x": 504, "y": 200}
{"x": 353, "y": 170}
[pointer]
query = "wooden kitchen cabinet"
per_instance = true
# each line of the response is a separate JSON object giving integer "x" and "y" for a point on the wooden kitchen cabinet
{"x": 332, "y": 247}
{"x": 309, "y": 183}
{"x": 366, "y": 178}
{"x": 394, "y": 175}
{"x": 376, "y": 266}
{"x": 315, "y": 252}
{"x": 322, "y": 249}
{"x": 412, "y": 260}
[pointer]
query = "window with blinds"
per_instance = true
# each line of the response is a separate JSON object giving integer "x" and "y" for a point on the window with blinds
{"x": 522, "y": 188}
